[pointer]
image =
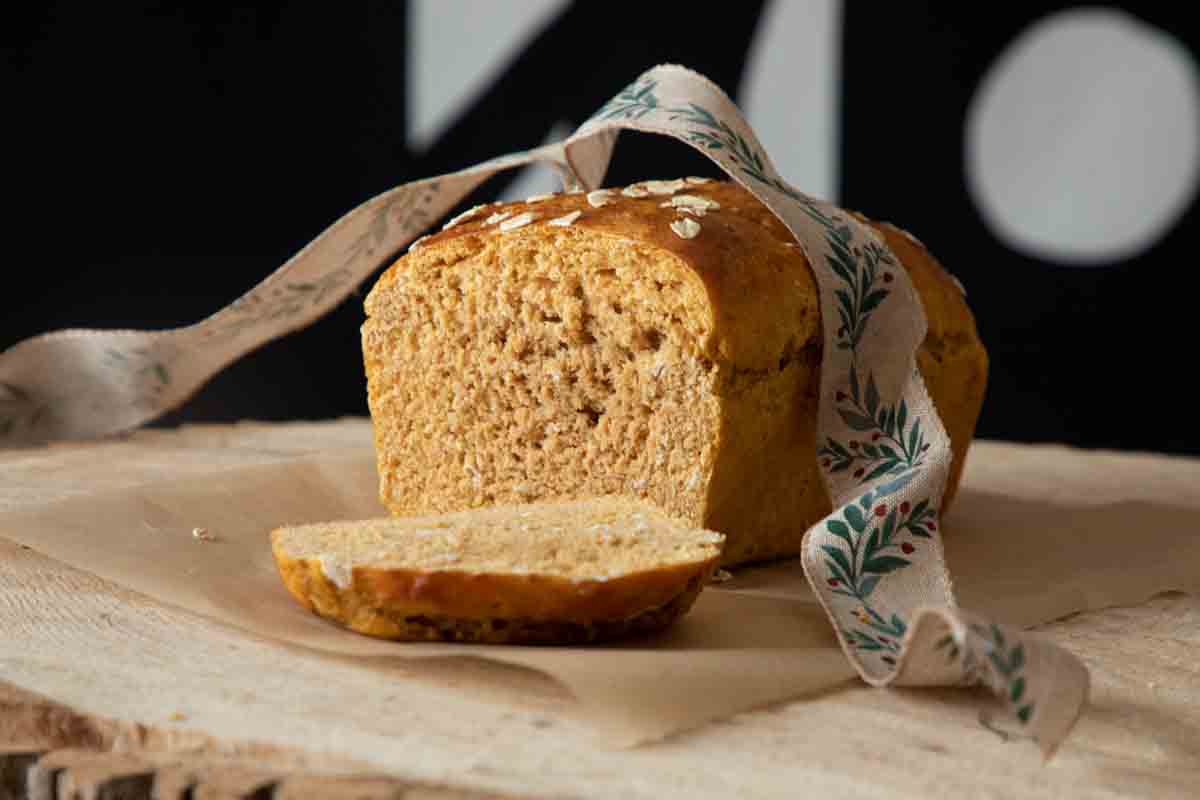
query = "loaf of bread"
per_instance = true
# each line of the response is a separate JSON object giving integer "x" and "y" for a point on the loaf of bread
{"x": 661, "y": 342}
{"x": 542, "y": 573}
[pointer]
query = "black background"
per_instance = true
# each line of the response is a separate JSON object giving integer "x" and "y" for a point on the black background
{"x": 162, "y": 159}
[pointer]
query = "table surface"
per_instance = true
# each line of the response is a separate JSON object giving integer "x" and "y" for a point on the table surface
{"x": 100, "y": 687}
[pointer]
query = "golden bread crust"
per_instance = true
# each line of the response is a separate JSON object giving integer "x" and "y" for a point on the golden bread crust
{"x": 741, "y": 256}
{"x": 755, "y": 374}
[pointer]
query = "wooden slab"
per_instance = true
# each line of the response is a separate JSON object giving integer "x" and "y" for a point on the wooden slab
{"x": 123, "y": 666}
{"x": 104, "y": 684}
{"x": 74, "y": 774}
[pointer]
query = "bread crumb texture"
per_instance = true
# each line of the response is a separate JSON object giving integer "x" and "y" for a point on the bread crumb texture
{"x": 614, "y": 356}
{"x": 558, "y": 572}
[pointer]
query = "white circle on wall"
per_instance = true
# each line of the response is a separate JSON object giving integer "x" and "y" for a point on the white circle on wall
{"x": 1083, "y": 139}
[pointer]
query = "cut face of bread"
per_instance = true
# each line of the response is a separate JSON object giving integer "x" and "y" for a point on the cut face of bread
{"x": 538, "y": 573}
{"x": 589, "y": 345}
{"x": 557, "y": 366}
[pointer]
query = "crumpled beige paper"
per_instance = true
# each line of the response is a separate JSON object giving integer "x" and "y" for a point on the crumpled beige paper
{"x": 1036, "y": 534}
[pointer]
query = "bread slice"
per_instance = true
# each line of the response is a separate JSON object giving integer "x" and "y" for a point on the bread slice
{"x": 544, "y": 573}
{"x": 588, "y": 345}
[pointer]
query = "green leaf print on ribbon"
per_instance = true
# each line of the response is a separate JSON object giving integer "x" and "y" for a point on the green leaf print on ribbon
{"x": 1006, "y": 659}
{"x": 147, "y": 366}
{"x": 633, "y": 102}
{"x": 873, "y": 540}
{"x": 715, "y": 134}
{"x": 893, "y": 442}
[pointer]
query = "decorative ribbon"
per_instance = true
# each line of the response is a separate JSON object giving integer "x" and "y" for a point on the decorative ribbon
{"x": 875, "y": 564}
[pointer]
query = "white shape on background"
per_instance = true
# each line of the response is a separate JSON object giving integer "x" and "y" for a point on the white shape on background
{"x": 458, "y": 48}
{"x": 1083, "y": 140}
{"x": 538, "y": 178}
{"x": 790, "y": 90}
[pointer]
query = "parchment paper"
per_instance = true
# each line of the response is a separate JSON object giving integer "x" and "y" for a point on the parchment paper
{"x": 1037, "y": 533}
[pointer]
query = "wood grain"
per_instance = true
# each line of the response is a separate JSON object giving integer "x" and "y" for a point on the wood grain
{"x": 74, "y": 774}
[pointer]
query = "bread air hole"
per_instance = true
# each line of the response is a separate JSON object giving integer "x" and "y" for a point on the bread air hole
{"x": 593, "y": 415}
{"x": 649, "y": 339}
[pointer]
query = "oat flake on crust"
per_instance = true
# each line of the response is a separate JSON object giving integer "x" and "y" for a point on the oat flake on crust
{"x": 566, "y": 219}
{"x": 599, "y": 198}
{"x": 463, "y": 217}
{"x": 685, "y": 228}
{"x": 519, "y": 221}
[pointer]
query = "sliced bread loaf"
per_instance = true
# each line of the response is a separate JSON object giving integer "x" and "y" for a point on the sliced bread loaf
{"x": 544, "y": 573}
{"x": 660, "y": 342}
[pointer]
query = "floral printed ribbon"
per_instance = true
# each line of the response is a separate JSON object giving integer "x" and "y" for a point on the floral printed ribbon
{"x": 875, "y": 564}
